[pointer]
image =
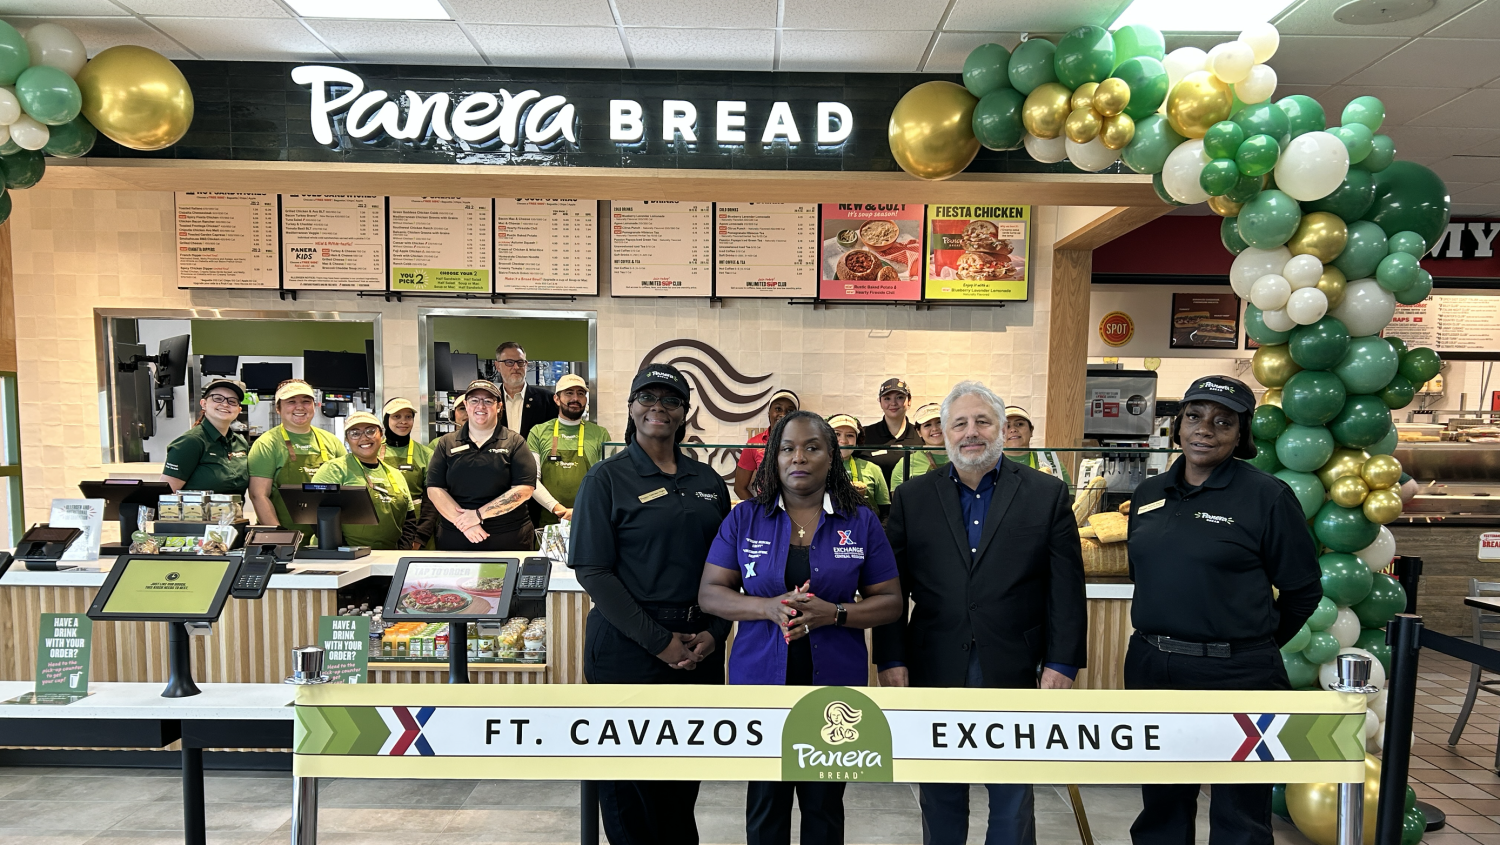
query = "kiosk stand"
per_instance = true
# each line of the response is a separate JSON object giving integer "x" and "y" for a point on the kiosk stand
{"x": 123, "y": 500}
{"x": 328, "y": 506}
{"x": 42, "y": 546}
{"x": 457, "y": 591}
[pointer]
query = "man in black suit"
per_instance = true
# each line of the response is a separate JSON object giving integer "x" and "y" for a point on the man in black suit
{"x": 524, "y": 405}
{"x": 989, "y": 555}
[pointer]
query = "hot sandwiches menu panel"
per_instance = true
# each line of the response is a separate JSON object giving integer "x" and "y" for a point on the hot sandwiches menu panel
{"x": 661, "y": 248}
{"x": 333, "y": 242}
{"x": 546, "y": 246}
{"x": 226, "y": 240}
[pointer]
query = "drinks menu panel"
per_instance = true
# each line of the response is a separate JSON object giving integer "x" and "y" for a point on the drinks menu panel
{"x": 766, "y": 249}
{"x": 661, "y": 248}
{"x": 546, "y": 246}
{"x": 333, "y": 242}
{"x": 871, "y": 252}
{"x": 226, "y": 240}
{"x": 440, "y": 244}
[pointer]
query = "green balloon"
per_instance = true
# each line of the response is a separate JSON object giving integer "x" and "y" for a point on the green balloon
{"x": 15, "y": 56}
{"x": 1382, "y": 153}
{"x": 1246, "y": 188}
{"x": 1386, "y": 445}
{"x": 1267, "y": 422}
{"x": 1419, "y": 289}
{"x": 1324, "y": 616}
{"x": 1321, "y": 647}
{"x": 1299, "y": 670}
{"x": 1373, "y": 639}
{"x": 997, "y": 120}
{"x": 1413, "y": 826}
{"x": 1147, "y": 79}
{"x": 1397, "y": 344}
{"x": 49, "y": 95}
{"x": 73, "y": 139}
{"x": 1137, "y": 39}
{"x": 10, "y": 147}
{"x": 1154, "y": 140}
{"x": 1362, "y": 422}
{"x": 23, "y": 169}
{"x": 1304, "y": 448}
{"x": 1219, "y": 176}
{"x": 1358, "y": 140}
{"x": 1367, "y": 365}
{"x": 1263, "y": 119}
{"x": 1312, "y": 397}
{"x": 1410, "y": 197}
{"x": 1161, "y": 190}
{"x": 1278, "y": 802}
{"x": 1345, "y": 530}
{"x": 1320, "y": 345}
{"x": 1265, "y": 457}
{"x": 1351, "y": 199}
{"x": 1420, "y": 365}
{"x": 1397, "y": 271}
{"x": 1363, "y": 251}
{"x": 1303, "y": 114}
{"x": 1086, "y": 54}
{"x": 1411, "y": 794}
{"x": 1223, "y": 139}
{"x": 1255, "y": 326}
{"x": 1386, "y": 599}
{"x": 1229, "y": 235}
{"x": 1298, "y": 641}
{"x": 1031, "y": 65}
{"x": 1398, "y": 393}
{"x": 1257, "y": 155}
{"x": 1410, "y": 243}
{"x": 987, "y": 69}
{"x": 1365, "y": 111}
{"x": 1269, "y": 220}
{"x": 5, "y": 205}
{"x": 1307, "y": 488}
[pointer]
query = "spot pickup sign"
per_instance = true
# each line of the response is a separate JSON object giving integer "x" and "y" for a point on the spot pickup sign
{"x": 346, "y": 648}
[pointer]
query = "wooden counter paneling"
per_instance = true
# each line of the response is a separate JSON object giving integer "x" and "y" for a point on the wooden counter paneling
{"x": 1109, "y": 634}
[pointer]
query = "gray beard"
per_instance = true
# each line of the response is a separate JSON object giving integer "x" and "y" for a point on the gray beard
{"x": 983, "y": 463}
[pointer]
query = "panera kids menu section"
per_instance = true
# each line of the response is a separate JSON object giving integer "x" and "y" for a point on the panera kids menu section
{"x": 977, "y": 252}
{"x": 871, "y": 252}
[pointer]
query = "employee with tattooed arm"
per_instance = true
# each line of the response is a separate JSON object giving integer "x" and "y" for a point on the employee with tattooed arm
{"x": 479, "y": 479}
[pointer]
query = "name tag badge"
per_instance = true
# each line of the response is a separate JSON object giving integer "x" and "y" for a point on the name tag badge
{"x": 877, "y": 454}
{"x": 653, "y": 495}
{"x": 1151, "y": 507}
{"x": 456, "y": 449}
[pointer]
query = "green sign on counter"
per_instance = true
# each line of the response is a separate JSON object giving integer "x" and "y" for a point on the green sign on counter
{"x": 62, "y": 657}
{"x": 346, "y": 648}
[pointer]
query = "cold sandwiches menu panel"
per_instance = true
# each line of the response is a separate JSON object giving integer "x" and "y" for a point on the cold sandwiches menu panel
{"x": 226, "y": 240}
{"x": 546, "y": 246}
{"x": 661, "y": 248}
{"x": 440, "y": 244}
{"x": 332, "y": 242}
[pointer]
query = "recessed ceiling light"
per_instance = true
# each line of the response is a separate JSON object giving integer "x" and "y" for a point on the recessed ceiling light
{"x": 1200, "y": 16}
{"x": 398, "y": 10}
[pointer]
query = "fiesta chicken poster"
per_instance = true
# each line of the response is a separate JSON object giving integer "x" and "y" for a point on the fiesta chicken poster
{"x": 871, "y": 252}
{"x": 977, "y": 252}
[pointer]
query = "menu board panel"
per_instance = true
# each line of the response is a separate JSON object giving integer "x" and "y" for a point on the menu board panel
{"x": 766, "y": 249}
{"x": 661, "y": 248}
{"x": 1205, "y": 321}
{"x": 333, "y": 242}
{"x": 226, "y": 240}
{"x": 1416, "y": 324}
{"x": 1450, "y": 324}
{"x": 546, "y": 246}
{"x": 440, "y": 244}
{"x": 871, "y": 252}
{"x": 977, "y": 252}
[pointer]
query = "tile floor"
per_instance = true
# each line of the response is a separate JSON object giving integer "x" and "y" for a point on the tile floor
{"x": 60, "y": 806}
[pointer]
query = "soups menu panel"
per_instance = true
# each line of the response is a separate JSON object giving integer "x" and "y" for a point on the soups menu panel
{"x": 546, "y": 246}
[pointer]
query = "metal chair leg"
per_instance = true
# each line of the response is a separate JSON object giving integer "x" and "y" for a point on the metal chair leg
{"x": 1080, "y": 815}
{"x": 1463, "y": 714}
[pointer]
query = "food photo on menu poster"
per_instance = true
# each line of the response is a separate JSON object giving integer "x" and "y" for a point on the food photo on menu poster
{"x": 871, "y": 251}
{"x": 464, "y": 589}
{"x": 1205, "y": 321}
{"x": 977, "y": 252}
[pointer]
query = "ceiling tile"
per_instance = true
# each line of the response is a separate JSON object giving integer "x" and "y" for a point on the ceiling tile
{"x": 409, "y": 42}
{"x": 208, "y": 8}
{"x": 1028, "y": 16}
{"x": 1456, "y": 188}
{"x": 100, "y": 33}
{"x": 1417, "y": 142}
{"x": 1489, "y": 147}
{"x": 853, "y": 52}
{"x": 952, "y": 48}
{"x": 46, "y": 8}
{"x": 1314, "y": 91}
{"x": 1478, "y": 109}
{"x": 1315, "y": 17}
{"x": 1483, "y": 194}
{"x": 1326, "y": 59}
{"x": 1466, "y": 170}
{"x": 1402, "y": 105}
{"x": 246, "y": 39}
{"x": 733, "y": 14}
{"x": 537, "y": 12}
{"x": 703, "y": 49}
{"x": 1481, "y": 20}
{"x": 1435, "y": 63}
{"x": 550, "y": 46}
{"x": 863, "y": 14}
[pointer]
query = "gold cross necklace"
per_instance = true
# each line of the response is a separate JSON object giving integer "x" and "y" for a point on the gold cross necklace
{"x": 801, "y": 532}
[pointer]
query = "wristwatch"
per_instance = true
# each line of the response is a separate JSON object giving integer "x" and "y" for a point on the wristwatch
{"x": 840, "y": 615}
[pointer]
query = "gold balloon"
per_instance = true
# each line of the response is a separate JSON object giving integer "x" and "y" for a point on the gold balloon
{"x": 1045, "y": 110}
{"x": 1082, "y": 126}
{"x": 1083, "y": 96}
{"x": 1332, "y": 284}
{"x": 1314, "y": 807}
{"x": 1197, "y": 102}
{"x": 1273, "y": 365}
{"x": 931, "y": 130}
{"x": 1224, "y": 206}
{"x": 1381, "y": 472}
{"x": 1117, "y": 131}
{"x": 1112, "y": 96}
{"x": 1349, "y": 491}
{"x": 1321, "y": 235}
{"x": 136, "y": 97}
{"x": 1382, "y": 506}
{"x": 1272, "y": 396}
{"x": 1344, "y": 462}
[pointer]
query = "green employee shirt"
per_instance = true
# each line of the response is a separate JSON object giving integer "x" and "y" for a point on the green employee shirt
{"x": 204, "y": 459}
{"x": 921, "y": 463}
{"x": 269, "y": 454}
{"x": 869, "y": 476}
{"x": 594, "y": 438}
{"x": 393, "y": 504}
{"x": 411, "y": 461}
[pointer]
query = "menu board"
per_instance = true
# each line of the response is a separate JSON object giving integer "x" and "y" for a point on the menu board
{"x": 1416, "y": 324}
{"x": 977, "y": 252}
{"x": 766, "y": 249}
{"x": 546, "y": 246}
{"x": 661, "y": 248}
{"x": 440, "y": 244}
{"x": 1205, "y": 321}
{"x": 333, "y": 242}
{"x": 871, "y": 252}
{"x": 1450, "y": 324}
{"x": 226, "y": 240}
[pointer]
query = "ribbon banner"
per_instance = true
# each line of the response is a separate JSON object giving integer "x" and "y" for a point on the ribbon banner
{"x": 586, "y": 732}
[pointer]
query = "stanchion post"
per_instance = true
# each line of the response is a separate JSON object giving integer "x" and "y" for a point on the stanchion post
{"x": 1404, "y": 634}
{"x": 1352, "y": 675}
{"x": 588, "y": 810}
{"x": 304, "y": 811}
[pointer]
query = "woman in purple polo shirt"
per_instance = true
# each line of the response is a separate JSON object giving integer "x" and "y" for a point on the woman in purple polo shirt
{"x": 801, "y": 550}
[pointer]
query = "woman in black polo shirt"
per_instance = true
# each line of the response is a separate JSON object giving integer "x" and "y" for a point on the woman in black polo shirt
{"x": 479, "y": 479}
{"x": 1208, "y": 540}
{"x": 643, "y": 522}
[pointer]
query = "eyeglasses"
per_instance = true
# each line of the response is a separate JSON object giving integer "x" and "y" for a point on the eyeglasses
{"x": 221, "y": 399}
{"x": 512, "y": 362}
{"x": 364, "y": 434}
{"x": 670, "y": 401}
{"x": 480, "y": 401}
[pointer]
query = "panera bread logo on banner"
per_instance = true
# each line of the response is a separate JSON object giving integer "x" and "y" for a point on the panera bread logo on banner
{"x": 836, "y": 733}
{"x": 721, "y": 394}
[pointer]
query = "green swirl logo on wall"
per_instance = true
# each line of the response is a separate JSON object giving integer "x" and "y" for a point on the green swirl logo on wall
{"x": 836, "y": 733}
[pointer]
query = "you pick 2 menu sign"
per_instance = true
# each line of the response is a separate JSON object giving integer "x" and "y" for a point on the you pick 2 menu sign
{"x": 871, "y": 252}
{"x": 661, "y": 248}
{"x": 441, "y": 244}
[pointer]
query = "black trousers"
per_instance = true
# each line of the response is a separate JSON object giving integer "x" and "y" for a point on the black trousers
{"x": 1238, "y": 814}
{"x": 768, "y": 812}
{"x": 506, "y": 535}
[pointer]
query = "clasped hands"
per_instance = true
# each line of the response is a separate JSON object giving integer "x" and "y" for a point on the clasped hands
{"x": 686, "y": 651}
{"x": 799, "y": 611}
{"x": 472, "y": 525}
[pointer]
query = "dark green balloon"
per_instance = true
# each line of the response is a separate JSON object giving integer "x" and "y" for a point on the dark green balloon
{"x": 1367, "y": 365}
{"x": 1303, "y": 114}
{"x": 1255, "y": 326}
{"x": 1386, "y": 599}
{"x": 1223, "y": 139}
{"x": 1257, "y": 155}
{"x": 1307, "y": 488}
{"x": 1397, "y": 344}
{"x": 1419, "y": 290}
{"x": 71, "y": 140}
{"x": 1086, "y": 54}
{"x": 1321, "y": 648}
{"x": 1299, "y": 671}
{"x": 1387, "y": 444}
{"x": 1411, "y": 197}
{"x": 1351, "y": 199}
{"x": 1263, "y": 119}
{"x": 1312, "y": 397}
{"x": 1363, "y": 251}
{"x": 1305, "y": 448}
{"x": 1363, "y": 421}
{"x": 1269, "y": 220}
{"x": 23, "y": 169}
{"x": 1267, "y": 422}
{"x": 997, "y": 120}
{"x": 1147, "y": 79}
{"x": 1373, "y": 639}
{"x": 1413, "y": 826}
{"x": 1398, "y": 394}
{"x": 1319, "y": 346}
{"x": 1278, "y": 802}
{"x": 1410, "y": 243}
{"x": 1382, "y": 153}
{"x": 1345, "y": 530}
{"x": 1324, "y": 616}
{"x": 1246, "y": 188}
{"x": 987, "y": 69}
{"x": 1161, "y": 190}
{"x": 1154, "y": 140}
{"x": 1219, "y": 176}
{"x": 1265, "y": 457}
{"x": 10, "y": 147}
{"x": 1346, "y": 579}
{"x": 1358, "y": 140}
{"x": 1420, "y": 365}
{"x": 1229, "y": 235}
{"x": 1031, "y": 65}
{"x": 5, "y": 205}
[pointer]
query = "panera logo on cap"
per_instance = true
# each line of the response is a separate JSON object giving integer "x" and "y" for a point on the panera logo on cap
{"x": 667, "y": 376}
{"x": 1116, "y": 329}
{"x": 1222, "y": 388}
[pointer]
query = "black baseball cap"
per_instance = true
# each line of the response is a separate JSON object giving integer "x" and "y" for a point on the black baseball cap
{"x": 233, "y": 384}
{"x": 893, "y": 384}
{"x": 665, "y": 375}
{"x": 486, "y": 385}
{"x": 1229, "y": 392}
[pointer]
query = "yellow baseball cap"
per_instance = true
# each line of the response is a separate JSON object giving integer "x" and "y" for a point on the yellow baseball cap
{"x": 927, "y": 413}
{"x": 838, "y": 420}
{"x": 397, "y": 404}
{"x": 570, "y": 380}
{"x": 361, "y": 418}
{"x": 294, "y": 387}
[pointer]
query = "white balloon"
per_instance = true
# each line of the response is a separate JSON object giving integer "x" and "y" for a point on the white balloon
{"x": 1327, "y": 674}
{"x": 1180, "y": 174}
{"x": 1312, "y": 166}
{"x": 1183, "y": 61}
{"x": 10, "y": 106}
{"x": 1380, "y": 739}
{"x": 1345, "y": 629}
{"x": 55, "y": 46}
{"x": 1253, "y": 263}
{"x": 1263, "y": 40}
{"x": 1258, "y": 86}
{"x": 4, "y": 134}
{"x": 1307, "y": 306}
{"x": 1378, "y": 554}
{"x": 1377, "y": 704}
{"x": 1093, "y": 156}
{"x": 1049, "y": 151}
{"x": 1277, "y": 320}
{"x": 29, "y": 134}
{"x": 1303, "y": 271}
{"x": 1372, "y": 724}
{"x": 1231, "y": 61}
{"x": 1367, "y": 308}
{"x": 1270, "y": 292}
